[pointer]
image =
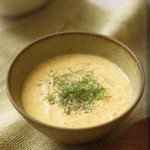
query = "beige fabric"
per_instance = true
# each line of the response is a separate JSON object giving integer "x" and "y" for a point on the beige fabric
{"x": 121, "y": 19}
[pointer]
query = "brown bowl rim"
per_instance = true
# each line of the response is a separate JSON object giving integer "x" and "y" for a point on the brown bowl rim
{"x": 126, "y": 48}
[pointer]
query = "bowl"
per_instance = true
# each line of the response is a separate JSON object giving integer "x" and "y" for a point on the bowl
{"x": 68, "y": 43}
{"x": 15, "y": 8}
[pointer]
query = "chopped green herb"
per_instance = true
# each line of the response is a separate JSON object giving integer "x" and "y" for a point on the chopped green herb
{"x": 76, "y": 90}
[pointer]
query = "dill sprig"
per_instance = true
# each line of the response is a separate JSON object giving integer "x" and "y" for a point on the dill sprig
{"x": 76, "y": 90}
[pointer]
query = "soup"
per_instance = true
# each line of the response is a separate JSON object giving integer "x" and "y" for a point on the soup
{"x": 76, "y": 91}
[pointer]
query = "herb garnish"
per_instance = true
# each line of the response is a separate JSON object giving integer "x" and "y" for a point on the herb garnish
{"x": 75, "y": 90}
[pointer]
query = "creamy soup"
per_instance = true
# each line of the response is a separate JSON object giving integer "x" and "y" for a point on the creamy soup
{"x": 76, "y": 90}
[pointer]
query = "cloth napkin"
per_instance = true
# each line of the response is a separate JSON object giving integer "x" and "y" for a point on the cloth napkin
{"x": 125, "y": 20}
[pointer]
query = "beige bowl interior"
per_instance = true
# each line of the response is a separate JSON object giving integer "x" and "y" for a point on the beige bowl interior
{"x": 67, "y": 43}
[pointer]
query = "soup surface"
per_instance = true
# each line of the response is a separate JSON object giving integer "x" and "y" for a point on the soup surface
{"x": 76, "y": 90}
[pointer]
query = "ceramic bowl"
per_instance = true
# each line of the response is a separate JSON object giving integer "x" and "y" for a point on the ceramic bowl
{"x": 15, "y": 8}
{"x": 66, "y": 43}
